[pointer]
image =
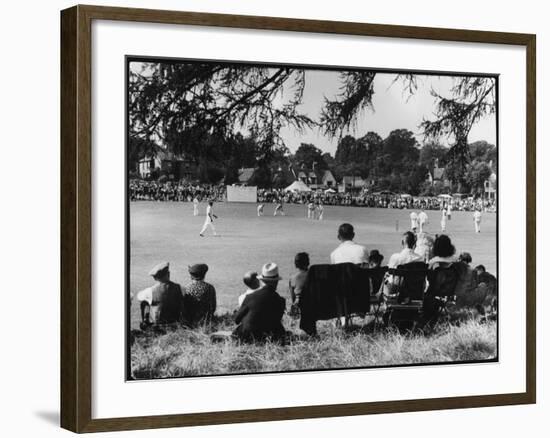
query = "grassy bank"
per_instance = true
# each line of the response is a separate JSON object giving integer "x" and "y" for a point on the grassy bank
{"x": 181, "y": 352}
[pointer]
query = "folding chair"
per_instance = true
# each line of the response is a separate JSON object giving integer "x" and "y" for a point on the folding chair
{"x": 375, "y": 291}
{"x": 442, "y": 282}
{"x": 405, "y": 294}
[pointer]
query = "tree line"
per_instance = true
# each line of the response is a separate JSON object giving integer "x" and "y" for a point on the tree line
{"x": 227, "y": 116}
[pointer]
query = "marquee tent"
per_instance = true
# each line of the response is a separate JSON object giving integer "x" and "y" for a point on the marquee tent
{"x": 298, "y": 186}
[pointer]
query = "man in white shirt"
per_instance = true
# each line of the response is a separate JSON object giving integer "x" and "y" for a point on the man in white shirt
{"x": 209, "y": 221}
{"x": 414, "y": 221}
{"x": 422, "y": 220}
{"x": 477, "y": 220}
{"x": 407, "y": 255}
{"x": 348, "y": 251}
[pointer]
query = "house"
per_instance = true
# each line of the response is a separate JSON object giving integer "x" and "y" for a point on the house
{"x": 437, "y": 175}
{"x": 245, "y": 175}
{"x": 314, "y": 178}
{"x": 175, "y": 166}
{"x": 352, "y": 183}
{"x": 490, "y": 184}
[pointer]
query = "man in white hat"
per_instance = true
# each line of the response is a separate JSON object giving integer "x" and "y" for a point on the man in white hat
{"x": 260, "y": 314}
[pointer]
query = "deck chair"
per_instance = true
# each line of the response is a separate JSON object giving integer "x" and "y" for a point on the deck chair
{"x": 404, "y": 300}
{"x": 442, "y": 282}
{"x": 374, "y": 289}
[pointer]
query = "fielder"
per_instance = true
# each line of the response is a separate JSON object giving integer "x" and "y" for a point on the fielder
{"x": 443, "y": 219}
{"x": 414, "y": 221}
{"x": 209, "y": 221}
{"x": 195, "y": 206}
{"x": 279, "y": 208}
{"x": 310, "y": 210}
{"x": 321, "y": 210}
{"x": 422, "y": 220}
{"x": 477, "y": 220}
{"x": 260, "y": 210}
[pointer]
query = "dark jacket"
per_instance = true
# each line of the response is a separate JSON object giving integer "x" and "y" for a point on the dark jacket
{"x": 333, "y": 291}
{"x": 259, "y": 317}
{"x": 169, "y": 298}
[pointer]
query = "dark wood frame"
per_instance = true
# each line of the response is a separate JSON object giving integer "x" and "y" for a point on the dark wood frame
{"x": 76, "y": 218}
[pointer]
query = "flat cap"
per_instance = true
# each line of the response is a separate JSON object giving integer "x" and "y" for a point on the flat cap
{"x": 198, "y": 270}
{"x": 159, "y": 269}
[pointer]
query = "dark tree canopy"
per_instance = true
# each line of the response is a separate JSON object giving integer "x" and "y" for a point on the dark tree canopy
{"x": 180, "y": 104}
{"x": 309, "y": 154}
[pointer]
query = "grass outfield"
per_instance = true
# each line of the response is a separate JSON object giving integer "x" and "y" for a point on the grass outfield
{"x": 168, "y": 231}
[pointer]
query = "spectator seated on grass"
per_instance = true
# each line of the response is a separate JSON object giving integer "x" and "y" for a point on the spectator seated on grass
{"x": 161, "y": 303}
{"x": 250, "y": 279}
{"x": 466, "y": 288}
{"x": 259, "y": 317}
{"x": 487, "y": 285}
{"x": 297, "y": 280}
{"x": 465, "y": 257}
{"x": 199, "y": 297}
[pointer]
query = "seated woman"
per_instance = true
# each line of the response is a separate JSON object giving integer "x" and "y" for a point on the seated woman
{"x": 199, "y": 297}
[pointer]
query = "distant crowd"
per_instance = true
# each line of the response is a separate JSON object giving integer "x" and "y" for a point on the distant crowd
{"x": 141, "y": 190}
{"x": 376, "y": 200}
{"x": 260, "y": 308}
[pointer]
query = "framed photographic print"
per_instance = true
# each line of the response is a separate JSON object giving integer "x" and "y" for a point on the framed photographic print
{"x": 286, "y": 208}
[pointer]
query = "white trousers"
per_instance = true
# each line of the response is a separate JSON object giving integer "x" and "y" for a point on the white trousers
{"x": 207, "y": 224}
{"x": 477, "y": 225}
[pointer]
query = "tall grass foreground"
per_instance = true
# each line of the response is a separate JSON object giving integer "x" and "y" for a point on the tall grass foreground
{"x": 183, "y": 352}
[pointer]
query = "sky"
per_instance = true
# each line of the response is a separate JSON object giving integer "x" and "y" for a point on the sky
{"x": 393, "y": 108}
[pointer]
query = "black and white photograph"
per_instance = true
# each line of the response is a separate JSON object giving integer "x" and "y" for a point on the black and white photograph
{"x": 294, "y": 218}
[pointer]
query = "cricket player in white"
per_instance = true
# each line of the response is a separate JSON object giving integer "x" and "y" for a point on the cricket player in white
{"x": 443, "y": 219}
{"x": 195, "y": 206}
{"x": 414, "y": 221}
{"x": 209, "y": 221}
{"x": 477, "y": 220}
{"x": 310, "y": 210}
{"x": 422, "y": 220}
{"x": 260, "y": 210}
{"x": 321, "y": 210}
{"x": 279, "y": 208}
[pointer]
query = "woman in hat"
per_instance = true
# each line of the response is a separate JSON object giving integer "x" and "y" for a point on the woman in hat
{"x": 200, "y": 296}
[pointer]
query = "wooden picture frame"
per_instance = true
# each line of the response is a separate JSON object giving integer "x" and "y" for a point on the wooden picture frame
{"x": 76, "y": 217}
